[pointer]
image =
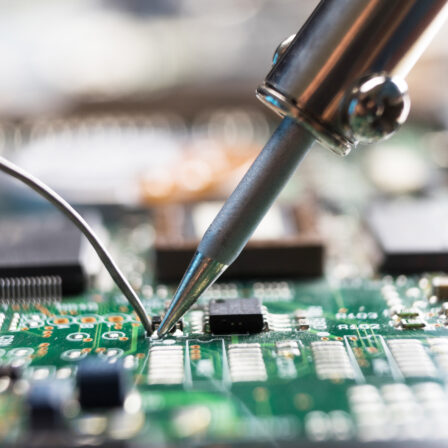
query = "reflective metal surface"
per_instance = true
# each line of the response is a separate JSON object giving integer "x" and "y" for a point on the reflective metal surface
{"x": 376, "y": 108}
{"x": 280, "y": 51}
{"x": 239, "y": 217}
{"x": 244, "y": 209}
{"x": 201, "y": 274}
{"x": 341, "y": 43}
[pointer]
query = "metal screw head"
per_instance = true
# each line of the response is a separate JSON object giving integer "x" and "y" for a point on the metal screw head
{"x": 280, "y": 50}
{"x": 376, "y": 107}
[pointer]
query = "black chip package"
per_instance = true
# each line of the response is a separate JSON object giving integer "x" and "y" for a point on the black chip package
{"x": 235, "y": 316}
{"x": 102, "y": 384}
{"x": 297, "y": 251}
{"x": 411, "y": 234}
{"x": 47, "y": 244}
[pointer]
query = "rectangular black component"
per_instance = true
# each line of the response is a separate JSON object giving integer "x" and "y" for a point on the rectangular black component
{"x": 297, "y": 253}
{"x": 45, "y": 244}
{"x": 235, "y": 316}
{"x": 411, "y": 235}
{"x": 157, "y": 320}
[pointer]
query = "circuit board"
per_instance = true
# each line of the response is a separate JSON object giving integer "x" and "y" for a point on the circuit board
{"x": 330, "y": 364}
{"x": 353, "y": 357}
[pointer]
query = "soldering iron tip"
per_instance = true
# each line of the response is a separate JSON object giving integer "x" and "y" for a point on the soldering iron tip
{"x": 202, "y": 273}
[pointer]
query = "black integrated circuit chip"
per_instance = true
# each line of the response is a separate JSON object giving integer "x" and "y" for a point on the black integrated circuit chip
{"x": 298, "y": 252}
{"x": 47, "y": 244}
{"x": 235, "y": 316}
{"x": 411, "y": 235}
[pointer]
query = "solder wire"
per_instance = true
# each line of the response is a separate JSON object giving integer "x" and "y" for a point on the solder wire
{"x": 45, "y": 191}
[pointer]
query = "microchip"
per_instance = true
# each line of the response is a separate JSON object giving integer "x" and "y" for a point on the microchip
{"x": 46, "y": 245}
{"x": 235, "y": 316}
{"x": 411, "y": 235}
{"x": 285, "y": 245}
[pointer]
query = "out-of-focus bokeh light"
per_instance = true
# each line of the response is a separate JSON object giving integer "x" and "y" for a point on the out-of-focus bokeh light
{"x": 129, "y": 100}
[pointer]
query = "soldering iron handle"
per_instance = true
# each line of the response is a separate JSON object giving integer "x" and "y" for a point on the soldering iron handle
{"x": 342, "y": 75}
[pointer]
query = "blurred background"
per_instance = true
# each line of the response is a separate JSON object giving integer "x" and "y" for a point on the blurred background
{"x": 131, "y": 102}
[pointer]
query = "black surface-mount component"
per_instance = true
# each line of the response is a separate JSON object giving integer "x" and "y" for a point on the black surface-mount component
{"x": 11, "y": 372}
{"x": 46, "y": 402}
{"x": 440, "y": 287}
{"x": 291, "y": 248}
{"x": 101, "y": 384}
{"x": 157, "y": 320}
{"x": 36, "y": 249}
{"x": 411, "y": 235}
{"x": 235, "y": 316}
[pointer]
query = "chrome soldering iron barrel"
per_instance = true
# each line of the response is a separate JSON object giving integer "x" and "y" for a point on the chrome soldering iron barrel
{"x": 343, "y": 44}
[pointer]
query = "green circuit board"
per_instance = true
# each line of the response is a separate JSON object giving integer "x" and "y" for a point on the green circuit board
{"x": 352, "y": 358}
{"x": 332, "y": 363}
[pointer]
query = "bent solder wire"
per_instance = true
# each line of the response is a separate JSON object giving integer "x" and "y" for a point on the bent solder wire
{"x": 39, "y": 187}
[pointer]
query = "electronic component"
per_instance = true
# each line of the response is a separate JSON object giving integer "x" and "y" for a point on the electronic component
{"x": 46, "y": 402}
{"x": 439, "y": 347}
{"x": 411, "y": 235}
{"x": 156, "y": 320}
{"x": 235, "y": 316}
{"x": 12, "y": 372}
{"x": 412, "y": 324}
{"x": 288, "y": 349}
{"x": 279, "y": 322}
{"x": 101, "y": 384}
{"x": 166, "y": 364}
{"x": 440, "y": 288}
{"x": 407, "y": 313}
{"x": 246, "y": 363}
{"x": 331, "y": 360}
{"x": 41, "y": 251}
{"x": 286, "y": 244}
{"x": 42, "y": 288}
{"x": 197, "y": 321}
{"x": 405, "y": 318}
{"x": 411, "y": 358}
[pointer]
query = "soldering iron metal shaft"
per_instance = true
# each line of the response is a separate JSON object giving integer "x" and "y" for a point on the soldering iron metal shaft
{"x": 240, "y": 215}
